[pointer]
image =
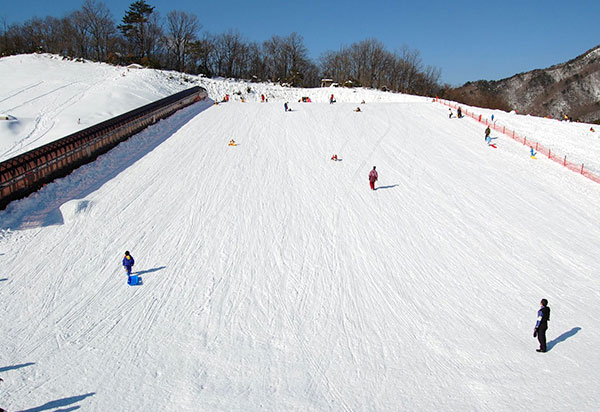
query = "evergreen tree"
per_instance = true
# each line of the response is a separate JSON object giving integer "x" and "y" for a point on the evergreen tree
{"x": 136, "y": 27}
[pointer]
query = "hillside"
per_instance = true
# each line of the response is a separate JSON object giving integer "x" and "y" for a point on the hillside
{"x": 274, "y": 279}
{"x": 46, "y": 97}
{"x": 571, "y": 88}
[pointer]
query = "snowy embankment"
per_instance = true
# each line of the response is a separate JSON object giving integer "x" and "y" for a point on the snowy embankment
{"x": 49, "y": 98}
{"x": 274, "y": 279}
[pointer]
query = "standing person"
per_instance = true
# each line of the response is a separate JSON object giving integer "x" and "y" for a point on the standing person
{"x": 542, "y": 325}
{"x": 459, "y": 112}
{"x": 262, "y": 98}
{"x": 331, "y": 99}
{"x": 285, "y": 106}
{"x": 488, "y": 131}
{"x": 128, "y": 262}
{"x": 373, "y": 178}
{"x": 2, "y": 410}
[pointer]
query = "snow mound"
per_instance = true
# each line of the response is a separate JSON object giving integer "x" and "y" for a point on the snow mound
{"x": 75, "y": 208}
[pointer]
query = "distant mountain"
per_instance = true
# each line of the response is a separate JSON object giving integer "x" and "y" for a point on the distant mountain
{"x": 571, "y": 88}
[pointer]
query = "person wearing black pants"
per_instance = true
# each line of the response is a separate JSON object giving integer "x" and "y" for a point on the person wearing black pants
{"x": 541, "y": 326}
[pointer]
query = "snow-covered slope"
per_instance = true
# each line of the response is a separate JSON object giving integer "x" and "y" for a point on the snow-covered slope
{"x": 579, "y": 142}
{"x": 49, "y": 97}
{"x": 275, "y": 279}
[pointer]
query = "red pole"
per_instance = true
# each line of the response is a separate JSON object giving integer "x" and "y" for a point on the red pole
{"x": 503, "y": 129}
{"x": 565, "y": 161}
{"x": 549, "y": 151}
{"x": 582, "y": 168}
{"x": 536, "y": 145}
{"x": 525, "y": 140}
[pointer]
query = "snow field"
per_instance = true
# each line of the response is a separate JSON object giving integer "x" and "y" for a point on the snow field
{"x": 51, "y": 98}
{"x": 275, "y": 279}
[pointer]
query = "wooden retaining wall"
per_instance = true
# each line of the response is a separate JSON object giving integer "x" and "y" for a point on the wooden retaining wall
{"x": 26, "y": 173}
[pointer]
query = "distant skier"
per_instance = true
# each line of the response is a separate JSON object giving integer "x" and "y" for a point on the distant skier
{"x": 128, "y": 263}
{"x": 2, "y": 410}
{"x": 459, "y": 113}
{"x": 373, "y": 178}
{"x": 542, "y": 325}
{"x": 331, "y": 99}
{"x": 488, "y": 131}
{"x": 532, "y": 152}
{"x": 450, "y": 113}
{"x": 262, "y": 98}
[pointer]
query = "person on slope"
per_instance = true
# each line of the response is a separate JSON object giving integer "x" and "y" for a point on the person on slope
{"x": 488, "y": 131}
{"x": 128, "y": 262}
{"x": 2, "y": 410}
{"x": 542, "y": 325}
{"x": 331, "y": 99}
{"x": 459, "y": 113}
{"x": 373, "y": 178}
{"x": 285, "y": 107}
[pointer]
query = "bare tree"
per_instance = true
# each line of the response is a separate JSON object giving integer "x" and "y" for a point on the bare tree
{"x": 201, "y": 54}
{"x": 369, "y": 64}
{"x": 182, "y": 29}
{"x": 4, "y": 43}
{"x": 100, "y": 27}
{"x": 230, "y": 51}
{"x": 286, "y": 59}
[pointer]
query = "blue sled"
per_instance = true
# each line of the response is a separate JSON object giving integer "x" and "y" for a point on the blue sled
{"x": 134, "y": 280}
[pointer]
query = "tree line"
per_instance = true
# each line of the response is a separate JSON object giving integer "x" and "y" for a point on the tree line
{"x": 174, "y": 43}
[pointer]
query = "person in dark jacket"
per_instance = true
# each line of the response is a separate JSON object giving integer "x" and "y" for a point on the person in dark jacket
{"x": 2, "y": 410}
{"x": 541, "y": 326}
{"x": 488, "y": 131}
{"x": 128, "y": 262}
{"x": 459, "y": 113}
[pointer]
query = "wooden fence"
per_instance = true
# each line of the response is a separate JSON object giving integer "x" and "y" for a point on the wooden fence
{"x": 26, "y": 173}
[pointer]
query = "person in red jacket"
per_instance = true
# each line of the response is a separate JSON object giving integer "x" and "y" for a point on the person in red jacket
{"x": 373, "y": 178}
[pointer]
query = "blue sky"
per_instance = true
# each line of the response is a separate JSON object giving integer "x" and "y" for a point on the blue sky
{"x": 467, "y": 40}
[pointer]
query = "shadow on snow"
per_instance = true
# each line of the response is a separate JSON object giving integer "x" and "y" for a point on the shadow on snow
{"x": 9, "y": 368}
{"x": 59, "y": 403}
{"x": 385, "y": 187}
{"x": 562, "y": 338}
{"x": 42, "y": 207}
{"x": 141, "y": 272}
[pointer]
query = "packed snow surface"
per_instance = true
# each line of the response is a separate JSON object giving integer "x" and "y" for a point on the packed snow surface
{"x": 48, "y": 97}
{"x": 275, "y": 279}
